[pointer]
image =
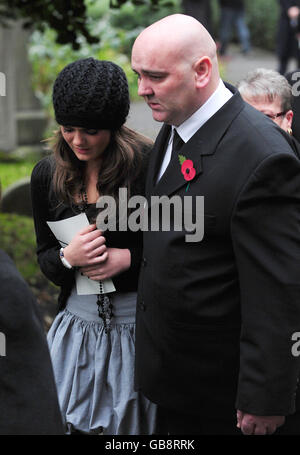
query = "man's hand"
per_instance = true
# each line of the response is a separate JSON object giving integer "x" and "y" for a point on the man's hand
{"x": 258, "y": 425}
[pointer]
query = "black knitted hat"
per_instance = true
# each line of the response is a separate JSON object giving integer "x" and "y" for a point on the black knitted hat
{"x": 91, "y": 93}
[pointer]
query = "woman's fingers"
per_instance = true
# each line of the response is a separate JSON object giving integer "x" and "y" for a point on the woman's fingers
{"x": 87, "y": 229}
{"x": 94, "y": 270}
{"x": 94, "y": 245}
{"x": 87, "y": 245}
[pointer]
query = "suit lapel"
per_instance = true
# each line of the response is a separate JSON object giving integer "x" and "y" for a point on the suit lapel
{"x": 202, "y": 144}
{"x": 173, "y": 179}
{"x": 156, "y": 157}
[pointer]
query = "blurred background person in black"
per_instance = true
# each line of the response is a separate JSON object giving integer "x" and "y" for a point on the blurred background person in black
{"x": 293, "y": 78}
{"x": 288, "y": 39}
{"x": 233, "y": 16}
{"x": 28, "y": 398}
{"x": 200, "y": 10}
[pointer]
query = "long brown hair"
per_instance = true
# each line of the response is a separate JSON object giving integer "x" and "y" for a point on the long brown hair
{"x": 121, "y": 165}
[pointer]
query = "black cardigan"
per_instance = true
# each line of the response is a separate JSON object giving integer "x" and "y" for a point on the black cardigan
{"x": 46, "y": 207}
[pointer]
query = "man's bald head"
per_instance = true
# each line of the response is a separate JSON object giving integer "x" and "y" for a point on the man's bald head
{"x": 176, "y": 61}
{"x": 181, "y": 34}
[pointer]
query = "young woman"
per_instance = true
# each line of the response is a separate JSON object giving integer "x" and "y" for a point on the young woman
{"x": 92, "y": 337}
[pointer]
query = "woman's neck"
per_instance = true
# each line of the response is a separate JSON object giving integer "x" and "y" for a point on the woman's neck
{"x": 91, "y": 180}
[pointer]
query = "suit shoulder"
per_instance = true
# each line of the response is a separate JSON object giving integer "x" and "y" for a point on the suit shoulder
{"x": 260, "y": 134}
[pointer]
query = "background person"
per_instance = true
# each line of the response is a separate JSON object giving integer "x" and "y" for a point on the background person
{"x": 233, "y": 18}
{"x": 215, "y": 318}
{"x": 29, "y": 404}
{"x": 288, "y": 34}
{"x": 270, "y": 93}
{"x": 293, "y": 77}
{"x": 92, "y": 338}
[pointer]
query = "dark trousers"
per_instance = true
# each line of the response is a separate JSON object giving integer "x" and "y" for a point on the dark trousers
{"x": 231, "y": 17}
{"x": 170, "y": 422}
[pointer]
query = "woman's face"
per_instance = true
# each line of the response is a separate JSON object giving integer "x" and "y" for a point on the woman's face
{"x": 273, "y": 110}
{"x": 87, "y": 144}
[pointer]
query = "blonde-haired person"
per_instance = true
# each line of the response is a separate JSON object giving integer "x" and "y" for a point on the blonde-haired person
{"x": 270, "y": 93}
{"x": 92, "y": 338}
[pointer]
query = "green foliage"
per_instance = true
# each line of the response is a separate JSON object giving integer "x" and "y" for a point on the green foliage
{"x": 17, "y": 239}
{"x": 262, "y": 18}
{"x": 154, "y": 4}
{"x": 67, "y": 17}
{"x": 17, "y": 165}
{"x": 117, "y": 31}
{"x": 130, "y": 20}
{"x": 11, "y": 172}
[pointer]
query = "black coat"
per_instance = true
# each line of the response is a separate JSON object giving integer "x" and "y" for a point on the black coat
{"x": 235, "y": 4}
{"x": 287, "y": 45}
{"x": 293, "y": 79}
{"x": 215, "y": 318}
{"x": 28, "y": 399}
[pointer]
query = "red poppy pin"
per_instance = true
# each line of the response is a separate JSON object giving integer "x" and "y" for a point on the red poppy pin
{"x": 187, "y": 169}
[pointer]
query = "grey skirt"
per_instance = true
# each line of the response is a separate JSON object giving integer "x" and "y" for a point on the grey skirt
{"x": 94, "y": 371}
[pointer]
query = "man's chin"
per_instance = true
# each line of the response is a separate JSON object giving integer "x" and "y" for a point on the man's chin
{"x": 159, "y": 116}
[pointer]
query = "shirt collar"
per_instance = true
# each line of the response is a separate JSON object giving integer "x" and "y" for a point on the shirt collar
{"x": 189, "y": 127}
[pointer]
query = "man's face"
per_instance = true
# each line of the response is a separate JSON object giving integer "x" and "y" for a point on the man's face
{"x": 166, "y": 82}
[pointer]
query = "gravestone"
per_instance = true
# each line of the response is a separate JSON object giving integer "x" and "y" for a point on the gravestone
{"x": 17, "y": 198}
{"x": 8, "y": 131}
{"x": 22, "y": 121}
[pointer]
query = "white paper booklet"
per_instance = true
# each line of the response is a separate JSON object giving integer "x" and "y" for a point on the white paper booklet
{"x": 64, "y": 231}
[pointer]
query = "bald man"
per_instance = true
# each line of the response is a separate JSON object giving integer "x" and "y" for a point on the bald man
{"x": 217, "y": 315}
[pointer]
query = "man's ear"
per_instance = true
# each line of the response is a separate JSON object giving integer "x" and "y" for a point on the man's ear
{"x": 203, "y": 69}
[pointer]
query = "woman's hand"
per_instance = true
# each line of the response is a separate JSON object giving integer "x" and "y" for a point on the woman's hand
{"x": 117, "y": 261}
{"x": 87, "y": 248}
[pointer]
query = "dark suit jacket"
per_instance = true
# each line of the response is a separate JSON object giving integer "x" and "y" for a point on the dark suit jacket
{"x": 28, "y": 399}
{"x": 215, "y": 318}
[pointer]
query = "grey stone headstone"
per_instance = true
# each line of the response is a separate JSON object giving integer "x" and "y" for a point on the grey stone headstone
{"x": 22, "y": 120}
{"x": 8, "y": 130}
{"x": 17, "y": 198}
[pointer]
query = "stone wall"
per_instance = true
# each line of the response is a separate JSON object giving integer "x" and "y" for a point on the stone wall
{"x": 22, "y": 121}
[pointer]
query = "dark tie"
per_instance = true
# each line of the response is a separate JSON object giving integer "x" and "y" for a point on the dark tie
{"x": 177, "y": 144}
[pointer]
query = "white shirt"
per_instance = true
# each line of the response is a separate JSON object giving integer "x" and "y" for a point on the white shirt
{"x": 190, "y": 126}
